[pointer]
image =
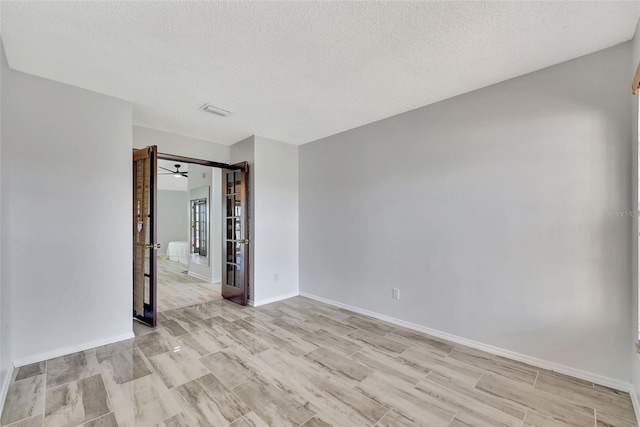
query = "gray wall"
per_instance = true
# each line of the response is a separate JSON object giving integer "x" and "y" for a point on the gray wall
{"x": 635, "y": 328}
{"x": 488, "y": 212}
{"x": 5, "y": 279}
{"x": 68, "y": 153}
{"x": 173, "y": 217}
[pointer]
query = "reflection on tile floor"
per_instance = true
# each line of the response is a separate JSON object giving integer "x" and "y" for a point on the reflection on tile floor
{"x": 178, "y": 289}
{"x": 297, "y": 363}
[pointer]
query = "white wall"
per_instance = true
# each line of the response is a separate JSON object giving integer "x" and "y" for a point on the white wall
{"x": 276, "y": 220}
{"x": 488, "y": 212}
{"x": 68, "y": 153}
{"x": 173, "y": 218}
{"x": 199, "y": 177}
{"x": 179, "y": 145}
{"x": 5, "y": 278}
{"x": 635, "y": 328}
{"x": 273, "y": 217}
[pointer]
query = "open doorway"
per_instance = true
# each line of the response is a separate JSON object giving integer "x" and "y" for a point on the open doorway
{"x": 189, "y": 221}
{"x": 217, "y": 199}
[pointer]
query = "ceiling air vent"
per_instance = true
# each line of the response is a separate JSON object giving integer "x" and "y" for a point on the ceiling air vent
{"x": 215, "y": 110}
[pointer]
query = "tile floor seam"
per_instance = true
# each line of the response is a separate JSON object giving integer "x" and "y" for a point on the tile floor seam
{"x": 351, "y": 354}
{"x": 383, "y": 415}
{"x": 453, "y": 417}
{"x": 109, "y": 396}
{"x": 106, "y": 392}
{"x": 564, "y": 399}
{"x": 234, "y": 387}
{"x": 233, "y": 393}
{"x": 551, "y": 396}
{"x": 19, "y": 421}
{"x": 475, "y": 386}
{"x": 241, "y": 417}
{"x": 424, "y": 377}
{"x": 307, "y": 420}
{"x": 163, "y": 421}
{"x": 23, "y": 379}
{"x": 93, "y": 419}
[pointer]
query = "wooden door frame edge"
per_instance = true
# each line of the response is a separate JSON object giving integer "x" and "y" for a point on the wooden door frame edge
{"x": 193, "y": 160}
{"x": 186, "y": 159}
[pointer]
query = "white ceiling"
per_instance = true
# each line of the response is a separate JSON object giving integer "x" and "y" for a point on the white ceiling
{"x": 297, "y": 71}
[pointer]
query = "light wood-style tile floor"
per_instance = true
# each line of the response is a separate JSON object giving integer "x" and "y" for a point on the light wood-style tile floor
{"x": 177, "y": 289}
{"x": 298, "y": 363}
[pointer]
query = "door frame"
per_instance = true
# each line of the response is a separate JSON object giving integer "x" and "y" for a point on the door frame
{"x": 149, "y": 314}
{"x": 184, "y": 159}
{"x": 238, "y": 295}
{"x": 218, "y": 165}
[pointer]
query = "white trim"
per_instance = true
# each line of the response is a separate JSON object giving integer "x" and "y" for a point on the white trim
{"x": 635, "y": 403}
{"x": 540, "y": 363}
{"x": 200, "y": 276}
{"x": 274, "y": 299}
{"x": 5, "y": 387}
{"x": 69, "y": 350}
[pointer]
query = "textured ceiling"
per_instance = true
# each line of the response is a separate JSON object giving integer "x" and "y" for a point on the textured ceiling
{"x": 297, "y": 71}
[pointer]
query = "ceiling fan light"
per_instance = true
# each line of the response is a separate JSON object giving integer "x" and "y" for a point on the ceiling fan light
{"x": 177, "y": 175}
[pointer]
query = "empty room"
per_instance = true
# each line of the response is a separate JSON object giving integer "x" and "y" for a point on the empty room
{"x": 319, "y": 213}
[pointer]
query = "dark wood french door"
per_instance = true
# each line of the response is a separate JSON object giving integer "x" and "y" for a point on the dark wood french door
{"x": 145, "y": 235}
{"x": 235, "y": 251}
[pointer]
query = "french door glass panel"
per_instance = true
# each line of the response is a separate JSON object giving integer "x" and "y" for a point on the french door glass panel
{"x": 236, "y": 246}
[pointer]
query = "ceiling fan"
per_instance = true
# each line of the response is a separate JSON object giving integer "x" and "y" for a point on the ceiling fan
{"x": 175, "y": 173}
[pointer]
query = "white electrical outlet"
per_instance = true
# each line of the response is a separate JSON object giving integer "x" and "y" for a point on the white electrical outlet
{"x": 275, "y": 277}
{"x": 395, "y": 293}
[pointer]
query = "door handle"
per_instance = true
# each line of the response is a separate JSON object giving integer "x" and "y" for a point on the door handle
{"x": 152, "y": 246}
{"x": 244, "y": 241}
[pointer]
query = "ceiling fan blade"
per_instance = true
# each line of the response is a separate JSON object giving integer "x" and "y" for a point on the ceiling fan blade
{"x": 168, "y": 173}
{"x": 168, "y": 170}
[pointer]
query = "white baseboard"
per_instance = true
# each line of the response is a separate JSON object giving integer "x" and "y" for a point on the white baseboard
{"x": 199, "y": 276}
{"x": 5, "y": 387}
{"x": 635, "y": 403}
{"x": 274, "y": 299}
{"x": 69, "y": 350}
{"x": 540, "y": 363}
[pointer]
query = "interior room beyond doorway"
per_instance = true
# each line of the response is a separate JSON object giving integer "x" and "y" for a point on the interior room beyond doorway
{"x": 189, "y": 222}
